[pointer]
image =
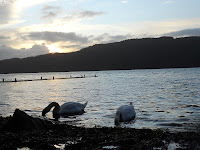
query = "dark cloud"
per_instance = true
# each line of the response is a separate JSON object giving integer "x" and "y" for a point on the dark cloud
{"x": 50, "y": 12}
{"x": 186, "y": 32}
{"x": 117, "y": 38}
{"x": 48, "y": 8}
{"x": 93, "y": 39}
{"x": 107, "y": 38}
{"x": 4, "y": 37}
{"x": 89, "y": 14}
{"x": 75, "y": 46}
{"x": 8, "y": 52}
{"x": 83, "y": 15}
{"x": 58, "y": 37}
{"x": 5, "y": 13}
{"x": 49, "y": 15}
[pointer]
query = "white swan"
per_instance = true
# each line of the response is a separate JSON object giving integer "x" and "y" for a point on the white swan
{"x": 66, "y": 109}
{"x": 125, "y": 113}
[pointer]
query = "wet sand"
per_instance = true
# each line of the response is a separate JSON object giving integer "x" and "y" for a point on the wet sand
{"x": 62, "y": 136}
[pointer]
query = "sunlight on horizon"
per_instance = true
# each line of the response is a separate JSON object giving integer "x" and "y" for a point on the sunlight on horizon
{"x": 55, "y": 49}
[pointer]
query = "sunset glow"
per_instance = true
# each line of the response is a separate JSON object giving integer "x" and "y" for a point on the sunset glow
{"x": 54, "y": 49}
{"x": 67, "y": 25}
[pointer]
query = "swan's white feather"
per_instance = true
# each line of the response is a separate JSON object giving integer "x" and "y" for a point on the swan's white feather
{"x": 124, "y": 113}
{"x": 127, "y": 112}
{"x": 71, "y": 108}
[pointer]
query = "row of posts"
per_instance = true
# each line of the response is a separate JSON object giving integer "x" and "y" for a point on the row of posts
{"x": 16, "y": 79}
{"x": 53, "y": 78}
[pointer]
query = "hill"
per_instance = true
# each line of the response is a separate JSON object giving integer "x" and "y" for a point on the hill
{"x": 163, "y": 52}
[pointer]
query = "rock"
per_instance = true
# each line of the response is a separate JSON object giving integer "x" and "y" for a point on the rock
{"x": 22, "y": 121}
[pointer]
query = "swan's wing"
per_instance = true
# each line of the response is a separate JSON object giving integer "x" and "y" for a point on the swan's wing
{"x": 128, "y": 112}
{"x": 122, "y": 112}
{"x": 71, "y": 108}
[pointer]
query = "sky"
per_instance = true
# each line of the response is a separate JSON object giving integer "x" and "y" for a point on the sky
{"x": 35, "y": 27}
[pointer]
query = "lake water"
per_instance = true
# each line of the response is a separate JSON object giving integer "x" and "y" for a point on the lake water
{"x": 163, "y": 98}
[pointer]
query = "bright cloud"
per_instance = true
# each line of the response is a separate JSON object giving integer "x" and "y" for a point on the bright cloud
{"x": 124, "y": 2}
{"x": 169, "y": 1}
{"x": 21, "y": 4}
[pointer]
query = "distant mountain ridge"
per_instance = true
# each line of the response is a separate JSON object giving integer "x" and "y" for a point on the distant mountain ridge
{"x": 147, "y": 53}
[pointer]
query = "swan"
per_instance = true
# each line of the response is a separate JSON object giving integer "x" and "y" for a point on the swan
{"x": 66, "y": 109}
{"x": 125, "y": 113}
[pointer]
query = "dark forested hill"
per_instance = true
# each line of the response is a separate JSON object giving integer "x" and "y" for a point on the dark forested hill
{"x": 164, "y": 52}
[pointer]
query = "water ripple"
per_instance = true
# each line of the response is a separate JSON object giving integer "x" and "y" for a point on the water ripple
{"x": 163, "y": 98}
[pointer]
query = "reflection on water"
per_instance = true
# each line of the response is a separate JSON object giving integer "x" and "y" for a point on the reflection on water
{"x": 163, "y": 98}
{"x": 23, "y": 148}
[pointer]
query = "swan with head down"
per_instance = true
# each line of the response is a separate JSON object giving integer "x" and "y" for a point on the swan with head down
{"x": 125, "y": 113}
{"x": 66, "y": 109}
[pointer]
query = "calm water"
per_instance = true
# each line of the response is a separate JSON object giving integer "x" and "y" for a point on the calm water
{"x": 163, "y": 98}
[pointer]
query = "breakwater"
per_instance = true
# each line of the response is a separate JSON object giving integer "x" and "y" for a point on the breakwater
{"x": 43, "y": 78}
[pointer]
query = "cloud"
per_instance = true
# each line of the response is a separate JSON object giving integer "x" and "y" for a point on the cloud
{"x": 73, "y": 46}
{"x": 124, "y": 2}
{"x": 8, "y": 52}
{"x": 58, "y": 37}
{"x": 5, "y": 2}
{"x": 82, "y": 15}
{"x": 23, "y": 4}
{"x": 12, "y": 10}
{"x": 94, "y": 39}
{"x": 4, "y": 37}
{"x": 50, "y": 12}
{"x": 169, "y": 1}
{"x": 89, "y": 14}
{"x": 107, "y": 38}
{"x": 186, "y": 32}
{"x": 5, "y": 14}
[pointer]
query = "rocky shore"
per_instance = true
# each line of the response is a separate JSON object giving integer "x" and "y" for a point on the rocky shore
{"x": 61, "y": 136}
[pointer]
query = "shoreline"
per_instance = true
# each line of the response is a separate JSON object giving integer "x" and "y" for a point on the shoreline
{"x": 63, "y": 136}
{"x": 95, "y": 70}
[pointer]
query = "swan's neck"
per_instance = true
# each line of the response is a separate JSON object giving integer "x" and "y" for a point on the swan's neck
{"x": 56, "y": 112}
{"x": 56, "y": 109}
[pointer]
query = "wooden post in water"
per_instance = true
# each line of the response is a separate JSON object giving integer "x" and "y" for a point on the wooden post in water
{"x": 15, "y": 80}
{"x": 53, "y": 77}
{"x": 41, "y": 78}
{"x": 3, "y": 80}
